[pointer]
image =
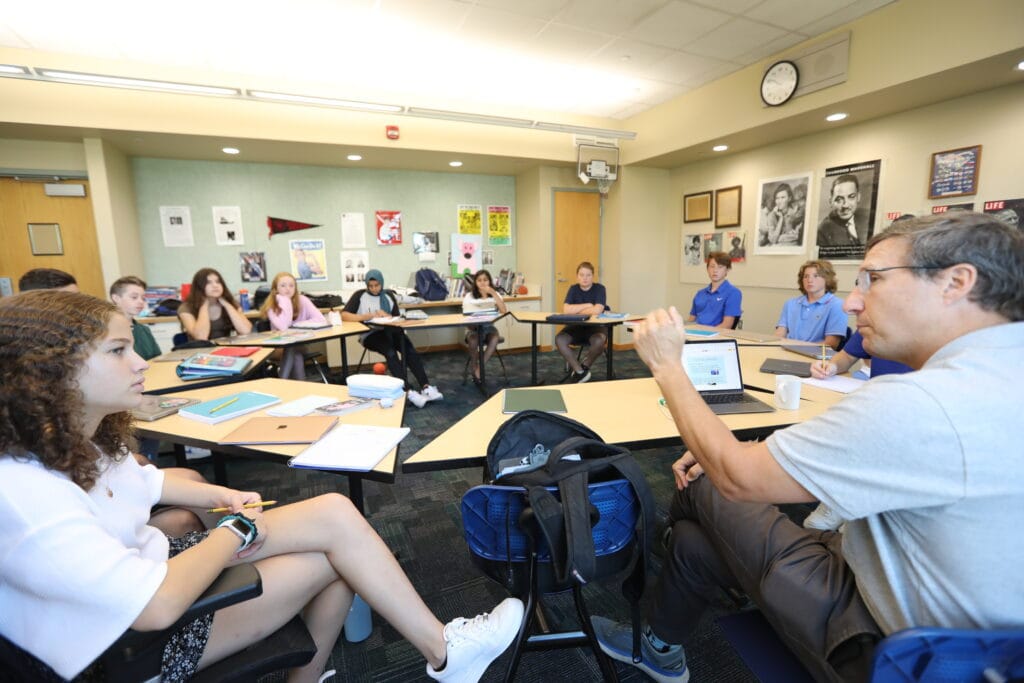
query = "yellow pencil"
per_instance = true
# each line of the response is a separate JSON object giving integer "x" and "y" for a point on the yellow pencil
{"x": 247, "y": 505}
{"x": 225, "y": 404}
{"x": 824, "y": 356}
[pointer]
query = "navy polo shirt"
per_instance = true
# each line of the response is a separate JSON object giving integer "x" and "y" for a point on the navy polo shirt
{"x": 710, "y": 307}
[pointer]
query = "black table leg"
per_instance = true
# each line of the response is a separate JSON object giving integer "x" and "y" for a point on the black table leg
{"x": 533, "y": 353}
{"x": 610, "y": 374}
{"x": 355, "y": 493}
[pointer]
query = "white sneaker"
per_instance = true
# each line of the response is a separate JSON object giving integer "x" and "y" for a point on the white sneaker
{"x": 823, "y": 518}
{"x": 416, "y": 398}
{"x": 431, "y": 393}
{"x": 472, "y": 644}
{"x": 193, "y": 453}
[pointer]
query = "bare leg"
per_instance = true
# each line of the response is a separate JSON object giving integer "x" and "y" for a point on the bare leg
{"x": 473, "y": 349}
{"x": 331, "y": 525}
{"x": 595, "y": 348}
{"x": 562, "y": 342}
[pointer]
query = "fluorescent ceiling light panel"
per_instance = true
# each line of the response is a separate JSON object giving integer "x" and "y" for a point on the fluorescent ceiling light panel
{"x": 12, "y": 69}
{"x": 586, "y": 130}
{"x": 323, "y": 101}
{"x": 465, "y": 117}
{"x": 134, "y": 83}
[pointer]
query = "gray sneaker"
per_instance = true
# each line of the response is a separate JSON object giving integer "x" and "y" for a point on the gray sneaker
{"x": 616, "y": 641}
{"x": 823, "y": 518}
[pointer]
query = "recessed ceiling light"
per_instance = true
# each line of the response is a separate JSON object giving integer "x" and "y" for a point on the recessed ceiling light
{"x": 455, "y": 164}
{"x": 355, "y": 157}
{"x": 230, "y": 150}
{"x": 838, "y": 116}
{"x": 720, "y": 148}
{"x": 1020, "y": 66}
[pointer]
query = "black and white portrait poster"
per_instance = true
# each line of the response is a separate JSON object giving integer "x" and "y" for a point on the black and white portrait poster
{"x": 253, "y": 265}
{"x": 1009, "y": 211}
{"x": 227, "y": 225}
{"x": 782, "y": 215}
{"x": 712, "y": 243}
{"x": 846, "y": 210}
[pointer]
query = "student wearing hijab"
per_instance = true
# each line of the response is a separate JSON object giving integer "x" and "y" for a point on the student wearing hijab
{"x": 390, "y": 342}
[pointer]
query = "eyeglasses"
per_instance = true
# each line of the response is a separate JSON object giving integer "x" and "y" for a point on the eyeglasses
{"x": 864, "y": 283}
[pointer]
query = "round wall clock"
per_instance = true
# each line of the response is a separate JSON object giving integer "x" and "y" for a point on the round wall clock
{"x": 779, "y": 83}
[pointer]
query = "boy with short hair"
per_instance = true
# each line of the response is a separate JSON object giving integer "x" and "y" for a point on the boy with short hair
{"x": 720, "y": 304}
{"x": 129, "y": 294}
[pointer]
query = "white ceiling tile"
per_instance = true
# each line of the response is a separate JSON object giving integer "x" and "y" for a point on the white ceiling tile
{"x": 734, "y": 38}
{"x": 623, "y": 54}
{"x": 770, "y": 48}
{"x": 561, "y": 42}
{"x": 682, "y": 67}
{"x": 730, "y": 6}
{"x": 714, "y": 74}
{"x": 792, "y": 14}
{"x": 538, "y": 9}
{"x": 843, "y": 16}
{"x": 438, "y": 15}
{"x": 8, "y": 38}
{"x": 677, "y": 24}
{"x": 608, "y": 16}
{"x": 487, "y": 24}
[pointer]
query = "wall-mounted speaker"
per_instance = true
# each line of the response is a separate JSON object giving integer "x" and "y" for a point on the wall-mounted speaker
{"x": 64, "y": 190}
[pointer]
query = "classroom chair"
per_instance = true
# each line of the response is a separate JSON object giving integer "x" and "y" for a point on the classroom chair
{"x": 915, "y": 655}
{"x": 181, "y": 341}
{"x": 497, "y": 354}
{"x": 507, "y": 546}
{"x": 136, "y": 655}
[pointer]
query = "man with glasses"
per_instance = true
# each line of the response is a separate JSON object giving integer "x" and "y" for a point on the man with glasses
{"x": 925, "y": 466}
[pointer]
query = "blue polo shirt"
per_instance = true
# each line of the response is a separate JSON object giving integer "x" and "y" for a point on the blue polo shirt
{"x": 710, "y": 307}
{"x": 813, "y": 322}
{"x": 879, "y": 366}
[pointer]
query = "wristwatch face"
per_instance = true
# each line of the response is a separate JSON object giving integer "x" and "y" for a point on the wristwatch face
{"x": 779, "y": 83}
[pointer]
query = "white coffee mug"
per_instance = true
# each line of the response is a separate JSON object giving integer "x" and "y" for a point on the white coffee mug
{"x": 787, "y": 392}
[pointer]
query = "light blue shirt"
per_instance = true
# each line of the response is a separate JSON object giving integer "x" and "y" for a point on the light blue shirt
{"x": 813, "y": 322}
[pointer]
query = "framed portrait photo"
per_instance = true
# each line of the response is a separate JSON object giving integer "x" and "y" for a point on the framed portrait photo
{"x": 954, "y": 173}
{"x": 727, "y": 206}
{"x": 697, "y": 207}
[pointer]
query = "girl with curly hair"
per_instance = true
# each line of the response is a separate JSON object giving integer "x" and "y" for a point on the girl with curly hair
{"x": 81, "y": 565}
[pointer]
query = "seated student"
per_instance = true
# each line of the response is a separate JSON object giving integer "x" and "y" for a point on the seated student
{"x": 483, "y": 288}
{"x": 129, "y": 294}
{"x": 210, "y": 310}
{"x": 920, "y": 464}
{"x": 818, "y": 315}
{"x": 720, "y": 304}
{"x": 47, "y": 278}
{"x": 87, "y": 566}
{"x": 584, "y": 298}
{"x": 375, "y": 301}
{"x": 283, "y": 307}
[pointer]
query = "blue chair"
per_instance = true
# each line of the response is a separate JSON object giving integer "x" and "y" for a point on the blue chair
{"x": 945, "y": 655}
{"x": 506, "y": 544}
{"x": 915, "y": 655}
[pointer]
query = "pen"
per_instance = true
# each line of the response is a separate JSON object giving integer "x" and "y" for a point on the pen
{"x": 247, "y": 505}
{"x": 823, "y": 355}
{"x": 225, "y": 404}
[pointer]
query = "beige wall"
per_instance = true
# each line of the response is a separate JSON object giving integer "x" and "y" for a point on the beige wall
{"x": 113, "y": 202}
{"x": 904, "y": 142}
{"x": 41, "y": 155}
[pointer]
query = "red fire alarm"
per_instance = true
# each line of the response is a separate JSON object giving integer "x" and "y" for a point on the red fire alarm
{"x": 392, "y": 132}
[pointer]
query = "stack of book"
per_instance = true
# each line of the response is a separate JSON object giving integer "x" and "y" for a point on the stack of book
{"x": 205, "y": 365}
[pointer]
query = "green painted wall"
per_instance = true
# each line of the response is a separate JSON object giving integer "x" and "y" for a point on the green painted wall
{"x": 311, "y": 194}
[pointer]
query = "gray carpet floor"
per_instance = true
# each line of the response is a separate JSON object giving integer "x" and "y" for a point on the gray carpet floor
{"x": 418, "y": 516}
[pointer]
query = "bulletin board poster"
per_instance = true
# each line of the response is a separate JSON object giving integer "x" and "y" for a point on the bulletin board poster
{"x": 467, "y": 256}
{"x": 308, "y": 259}
{"x": 1009, "y": 211}
{"x": 176, "y": 226}
{"x": 470, "y": 219}
{"x": 499, "y": 226}
{"x": 389, "y": 227}
{"x": 354, "y": 265}
{"x": 712, "y": 243}
{"x": 253, "y": 265}
{"x": 227, "y": 225}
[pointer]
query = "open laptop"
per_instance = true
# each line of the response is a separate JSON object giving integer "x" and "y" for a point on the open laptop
{"x": 713, "y": 366}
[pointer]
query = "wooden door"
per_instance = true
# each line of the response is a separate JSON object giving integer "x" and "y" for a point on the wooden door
{"x": 24, "y": 202}
{"x": 577, "y": 238}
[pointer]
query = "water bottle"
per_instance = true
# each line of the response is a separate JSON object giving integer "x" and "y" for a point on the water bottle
{"x": 243, "y": 299}
{"x": 359, "y": 623}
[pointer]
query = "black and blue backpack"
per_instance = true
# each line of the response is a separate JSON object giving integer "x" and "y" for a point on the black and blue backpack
{"x": 430, "y": 285}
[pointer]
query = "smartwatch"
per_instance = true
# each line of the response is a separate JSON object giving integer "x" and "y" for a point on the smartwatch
{"x": 241, "y": 526}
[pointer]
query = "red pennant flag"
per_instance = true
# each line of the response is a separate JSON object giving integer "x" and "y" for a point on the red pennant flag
{"x": 277, "y": 225}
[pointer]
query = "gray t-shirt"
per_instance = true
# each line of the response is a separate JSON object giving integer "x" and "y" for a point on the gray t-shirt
{"x": 929, "y": 469}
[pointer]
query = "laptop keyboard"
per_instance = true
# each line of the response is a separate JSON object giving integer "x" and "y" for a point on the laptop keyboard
{"x": 730, "y": 398}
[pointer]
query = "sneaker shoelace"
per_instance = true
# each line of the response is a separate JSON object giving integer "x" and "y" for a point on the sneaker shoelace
{"x": 460, "y": 630}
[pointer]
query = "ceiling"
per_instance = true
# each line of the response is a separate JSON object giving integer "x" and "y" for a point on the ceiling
{"x": 605, "y": 58}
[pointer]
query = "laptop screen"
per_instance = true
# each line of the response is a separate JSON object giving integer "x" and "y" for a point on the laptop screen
{"x": 713, "y": 365}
